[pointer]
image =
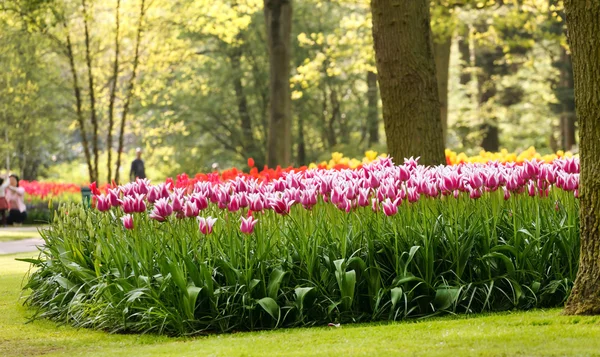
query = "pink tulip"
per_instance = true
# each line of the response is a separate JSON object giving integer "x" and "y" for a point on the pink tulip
{"x": 234, "y": 204}
{"x": 506, "y": 193}
{"x": 205, "y": 225}
{"x": 531, "y": 189}
{"x": 153, "y": 194}
{"x": 247, "y": 224}
{"x": 177, "y": 203}
{"x": 374, "y": 205}
{"x": 308, "y": 198}
{"x": 127, "y": 221}
{"x": 113, "y": 195}
{"x": 102, "y": 203}
{"x": 390, "y": 207}
{"x": 127, "y": 204}
{"x": 475, "y": 193}
{"x": 162, "y": 209}
{"x": 413, "y": 195}
{"x": 363, "y": 197}
{"x": 190, "y": 209}
{"x": 199, "y": 200}
{"x": 281, "y": 205}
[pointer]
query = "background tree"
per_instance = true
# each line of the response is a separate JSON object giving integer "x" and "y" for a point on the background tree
{"x": 406, "y": 68}
{"x": 584, "y": 38}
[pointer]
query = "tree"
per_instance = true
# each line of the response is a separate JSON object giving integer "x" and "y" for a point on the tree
{"x": 407, "y": 80}
{"x": 278, "y": 18}
{"x": 584, "y": 38}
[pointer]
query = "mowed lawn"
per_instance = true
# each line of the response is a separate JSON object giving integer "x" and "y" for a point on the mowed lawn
{"x": 13, "y": 234}
{"x": 534, "y": 333}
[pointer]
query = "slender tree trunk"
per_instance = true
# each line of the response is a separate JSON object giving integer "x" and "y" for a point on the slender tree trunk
{"x": 407, "y": 80}
{"x": 248, "y": 141}
{"x": 335, "y": 116}
{"x": 92, "y": 94}
{"x": 485, "y": 61}
{"x": 301, "y": 154}
{"x": 278, "y": 17}
{"x": 567, "y": 116}
{"x": 442, "y": 66}
{"x": 373, "y": 110}
{"x": 584, "y": 38}
{"x": 130, "y": 87}
{"x": 111, "y": 100}
{"x": 78, "y": 108}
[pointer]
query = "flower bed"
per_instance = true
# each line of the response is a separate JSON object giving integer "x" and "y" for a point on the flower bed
{"x": 313, "y": 247}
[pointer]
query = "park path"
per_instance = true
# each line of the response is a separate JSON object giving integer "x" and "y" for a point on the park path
{"x": 21, "y": 245}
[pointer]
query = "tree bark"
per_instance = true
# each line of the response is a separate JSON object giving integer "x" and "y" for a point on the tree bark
{"x": 278, "y": 17}
{"x": 78, "y": 107}
{"x": 111, "y": 99}
{"x": 584, "y": 37}
{"x": 130, "y": 87}
{"x": 442, "y": 66}
{"x": 373, "y": 109}
{"x": 407, "y": 80}
{"x": 248, "y": 141}
{"x": 565, "y": 89}
{"x": 92, "y": 93}
{"x": 485, "y": 61}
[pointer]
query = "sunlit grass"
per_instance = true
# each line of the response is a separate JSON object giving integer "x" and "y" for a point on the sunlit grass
{"x": 533, "y": 333}
{"x": 8, "y": 235}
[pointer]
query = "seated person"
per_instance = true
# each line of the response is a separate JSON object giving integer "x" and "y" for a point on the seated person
{"x": 15, "y": 196}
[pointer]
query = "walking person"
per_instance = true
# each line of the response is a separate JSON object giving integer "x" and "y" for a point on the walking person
{"x": 4, "y": 182}
{"x": 137, "y": 167}
{"x": 15, "y": 196}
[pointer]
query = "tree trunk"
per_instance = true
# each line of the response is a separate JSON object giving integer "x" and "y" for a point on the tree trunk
{"x": 407, "y": 80}
{"x": 485, "y": 61}
{"x": 130, "y": 87}
{"x": 278, "y": 17}
{"x": 92, "y": 89}
{"x": 78, "y": 107}
{"x": 565, "y": 97}
{"x": 373, "y": 109}
{"x": 335, "y": 116}
{"x": 442, "y": 67}
{"x": 584, "y": 38}
{"x": 111, "y": 99}
{"x": 301, "y": 154}
{"x": 248, "y": 141}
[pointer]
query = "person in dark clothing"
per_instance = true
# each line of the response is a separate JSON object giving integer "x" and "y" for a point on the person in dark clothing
{"x": 137, "y": 166}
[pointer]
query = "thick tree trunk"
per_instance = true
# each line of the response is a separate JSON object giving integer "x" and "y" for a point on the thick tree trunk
{"x": 584, "y": 38}
{"x": 407, "y": 80}
{"x": 442, "y": 67}
{"x": 130, "y": 87}
{"x": 112, "y": 97}
{"x": 373, "y": 109}
{"x": 278, "y": 17}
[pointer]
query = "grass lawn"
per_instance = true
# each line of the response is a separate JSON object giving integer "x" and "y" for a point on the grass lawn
{"x": 7, "y": 235}
{"x": 534, "y": 333}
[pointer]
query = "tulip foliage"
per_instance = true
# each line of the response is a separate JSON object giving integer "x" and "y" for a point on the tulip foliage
{"x": 382, "y": 242}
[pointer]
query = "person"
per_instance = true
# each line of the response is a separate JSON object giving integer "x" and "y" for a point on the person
{"x": 137, "y": 166}
{"x": 16, "y": 200}
{"x": 4, "y": 182}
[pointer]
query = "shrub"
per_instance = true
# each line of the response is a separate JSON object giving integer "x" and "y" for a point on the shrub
{"x": 380, "y": 243}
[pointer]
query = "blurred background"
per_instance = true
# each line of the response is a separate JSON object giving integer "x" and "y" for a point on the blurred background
{"x": 188, "y": 82}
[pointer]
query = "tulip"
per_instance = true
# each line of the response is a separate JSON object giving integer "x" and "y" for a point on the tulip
{"x": 190, "y": 209}
{"x": 363, "y": 197}
{"x": 247, "y": 224}
{"x": 113, "y": 195}
{"x": 127, "y": 221}
{"x": 102, "y": 203}
{"x": 413, "y": 195}
{"x": 177, "y": 203}
{"x": 390, "y": 207}
{"x": 474, "y": 193}
{"x": 200, "y": 201}
{"x": 162, "y": 209}
{"x": 281, "y": 205}
{"x": 153, "y": 194}
{"x": 234, "y": 204}
{"x": 531, "y": 189}
{"x": 205, "y": 225}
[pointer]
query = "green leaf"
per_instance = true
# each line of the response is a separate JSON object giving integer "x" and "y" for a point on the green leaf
{"x": 445, "y": 297}
{"x": 275, "y": 280}
{"x": 271, "y": 307}
{"x": 510, "y": 267}
{"x": 193, "y": 292}
{"x": 304, "y": 297}
{"x": 397, "y": 294}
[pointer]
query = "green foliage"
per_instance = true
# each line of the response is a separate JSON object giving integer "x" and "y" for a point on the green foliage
{"x": 434, "y": 257}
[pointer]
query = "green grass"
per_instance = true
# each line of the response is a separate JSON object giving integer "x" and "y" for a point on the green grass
{"x": 534, "y": 333}
{"x": 8, "y": 235}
